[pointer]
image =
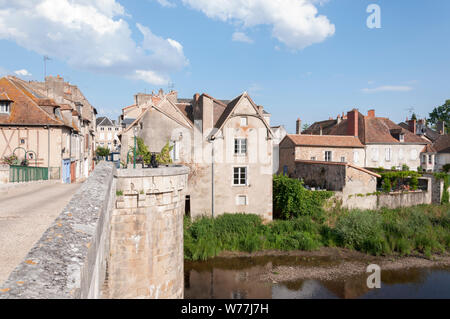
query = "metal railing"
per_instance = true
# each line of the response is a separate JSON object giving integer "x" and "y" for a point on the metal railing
{"x": 22, "y": 174}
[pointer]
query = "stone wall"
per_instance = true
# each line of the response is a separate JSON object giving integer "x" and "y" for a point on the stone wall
{"x": 69, "y": 261}
{"x": 147, "y": 254}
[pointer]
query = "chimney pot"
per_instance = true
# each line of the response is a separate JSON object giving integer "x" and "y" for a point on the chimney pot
{"x": 299, "y": 127}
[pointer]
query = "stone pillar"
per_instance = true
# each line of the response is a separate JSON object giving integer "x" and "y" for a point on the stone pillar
{"x": 147, "y": 253}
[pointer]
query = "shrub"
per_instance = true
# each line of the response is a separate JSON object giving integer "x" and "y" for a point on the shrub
{"x": 10, "y": 160}
{"x": 361, "y": 230}
{"x": 387, "y": 186}
{"x": 291, "y": 199}
{"x": 446, "y": 168}
{"x": 102, "y": 151}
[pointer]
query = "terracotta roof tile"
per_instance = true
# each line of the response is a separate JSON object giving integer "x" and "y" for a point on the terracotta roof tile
{"x": 326, "y": 140}
{"x": 24, "y": 109}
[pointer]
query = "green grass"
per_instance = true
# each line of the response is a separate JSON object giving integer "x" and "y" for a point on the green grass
{"x": 423, "y": 229}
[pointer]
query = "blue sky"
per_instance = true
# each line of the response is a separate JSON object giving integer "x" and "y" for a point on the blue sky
{"x": 339, "y": 65}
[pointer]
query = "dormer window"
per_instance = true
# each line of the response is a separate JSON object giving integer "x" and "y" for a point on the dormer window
{"x": 402, "y": 138}
{"x": 244, "y": 122}
{"x": 5, "y": 107}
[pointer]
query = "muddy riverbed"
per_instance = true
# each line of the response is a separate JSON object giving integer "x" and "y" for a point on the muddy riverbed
{"x": 328, "y": 273}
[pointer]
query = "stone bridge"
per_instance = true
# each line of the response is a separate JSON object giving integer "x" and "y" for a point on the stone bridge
{"x": 121, "y": 236}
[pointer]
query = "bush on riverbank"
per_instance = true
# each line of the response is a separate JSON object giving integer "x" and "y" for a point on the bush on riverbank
{"x": 423, "y": 229}
{"x": 291, "y": 199}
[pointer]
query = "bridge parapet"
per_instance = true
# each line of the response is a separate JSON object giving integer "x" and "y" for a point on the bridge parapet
{"x": 69, "y": 260}
{"x": 146, "y": 256}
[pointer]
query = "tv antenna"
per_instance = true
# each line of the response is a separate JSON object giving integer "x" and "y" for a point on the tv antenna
{"x": 46, "y": 58}
{"x": 170, "y": 86}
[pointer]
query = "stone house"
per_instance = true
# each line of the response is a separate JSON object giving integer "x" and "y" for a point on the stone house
{"x": 227, "y": 145}
{"x": 107, "y": 134}
{"x": 436, "y": 154}
{"x": 386, "y": 144}
{"x": 279, "y": 133}
{"x": 45, "y": 119}
{"x": 322, "y": 148}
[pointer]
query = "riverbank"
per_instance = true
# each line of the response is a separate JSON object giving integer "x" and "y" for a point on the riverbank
{"x": 335, "y": 263}
{"x": 414, "y": 231}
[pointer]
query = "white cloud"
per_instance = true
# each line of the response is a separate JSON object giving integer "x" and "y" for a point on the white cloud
{"x": 90, "y": 35}
{"x": 295, "y": 23}
{"x": 22, "y": 72}
{"x": 388, "y": 88}
{"x": 166, "y": 3}
{"x": 241, "y": 37}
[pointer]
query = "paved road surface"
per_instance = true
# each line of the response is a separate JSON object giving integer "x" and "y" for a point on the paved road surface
{"x": 25, "y": 214}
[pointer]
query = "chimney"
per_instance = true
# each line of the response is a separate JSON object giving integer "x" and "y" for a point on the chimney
{"x": 441, "y": 127}
{"x": 412, "y": 126}
{"x": 298, "y": 130}
{"x": 352, "y": 123}
{"x": 161, "y": 93}
{"x": 371, "y": 113}
{"x": 321, "y": 131}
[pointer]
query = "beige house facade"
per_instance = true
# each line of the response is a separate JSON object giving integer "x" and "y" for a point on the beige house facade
{"x": 386, "y": 144}
{"x": 227, "y": 145}
{"x": 108, "y": 134}
{"x": 53, "y": 126}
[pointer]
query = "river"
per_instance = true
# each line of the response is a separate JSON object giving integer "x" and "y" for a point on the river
{"x": 240, "y": 278}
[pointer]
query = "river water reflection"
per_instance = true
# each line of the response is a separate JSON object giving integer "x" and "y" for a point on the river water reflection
{"x": 237, "y": 278}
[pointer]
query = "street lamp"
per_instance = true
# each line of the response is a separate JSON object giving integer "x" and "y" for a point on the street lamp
{"x": 134, "y": 150}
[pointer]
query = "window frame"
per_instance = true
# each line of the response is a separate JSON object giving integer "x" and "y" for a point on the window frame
{"x": 330, "y": 157}
{"x": 240, "y": 168}
{"x": 5, "y": 107}
{"x": 238, "y": 146}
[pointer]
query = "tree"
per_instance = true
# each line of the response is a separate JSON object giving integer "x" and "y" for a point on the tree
{"x": 102, "y": 151}
{"x": 306, "y": 126}
{"x": 441, "y": 113}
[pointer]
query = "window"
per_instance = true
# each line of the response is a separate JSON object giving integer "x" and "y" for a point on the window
{"x": 22, "y": 141}
{"x": 388, "y": 154}
{"x": 244, "y": 121}
{"x": 285, "y": 170}
{"x": 240, "y": 146}
{"x": 402, "y": 138}
{"x": 424, "y": 159}
{"x": 4, "y": 107}
{"x": 430, "y": 159}
{"x": 313, "y": 158}
{"x": 117, "y": 128}
{"x": 102, "y": 129}
{"x": 375, "y": 155}
{"x": 328, "y": 156}
{"x": 175, "y": 153}
{"x": 355, "y": 157}
{"x": 343, "y": 159}
{"x": 240, "y": 176}
{"x": 109, "y": 129}
{"x": 241, "y": 200}
{"x": 400, "y": 154}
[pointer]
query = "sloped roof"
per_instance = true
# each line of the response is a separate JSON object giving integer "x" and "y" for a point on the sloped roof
{"x": 24, "y": 109}
{"x": 104, "y": 121}
{"x": 325, "y": 140}
{"x": 4, "y": 97}
{"x": 371, "y": 130}
{"x": 442, "y": 144}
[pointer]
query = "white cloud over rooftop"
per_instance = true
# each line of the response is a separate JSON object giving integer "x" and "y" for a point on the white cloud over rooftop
{"x": 296, "y": 23}
{"x": 90, "y": 35}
